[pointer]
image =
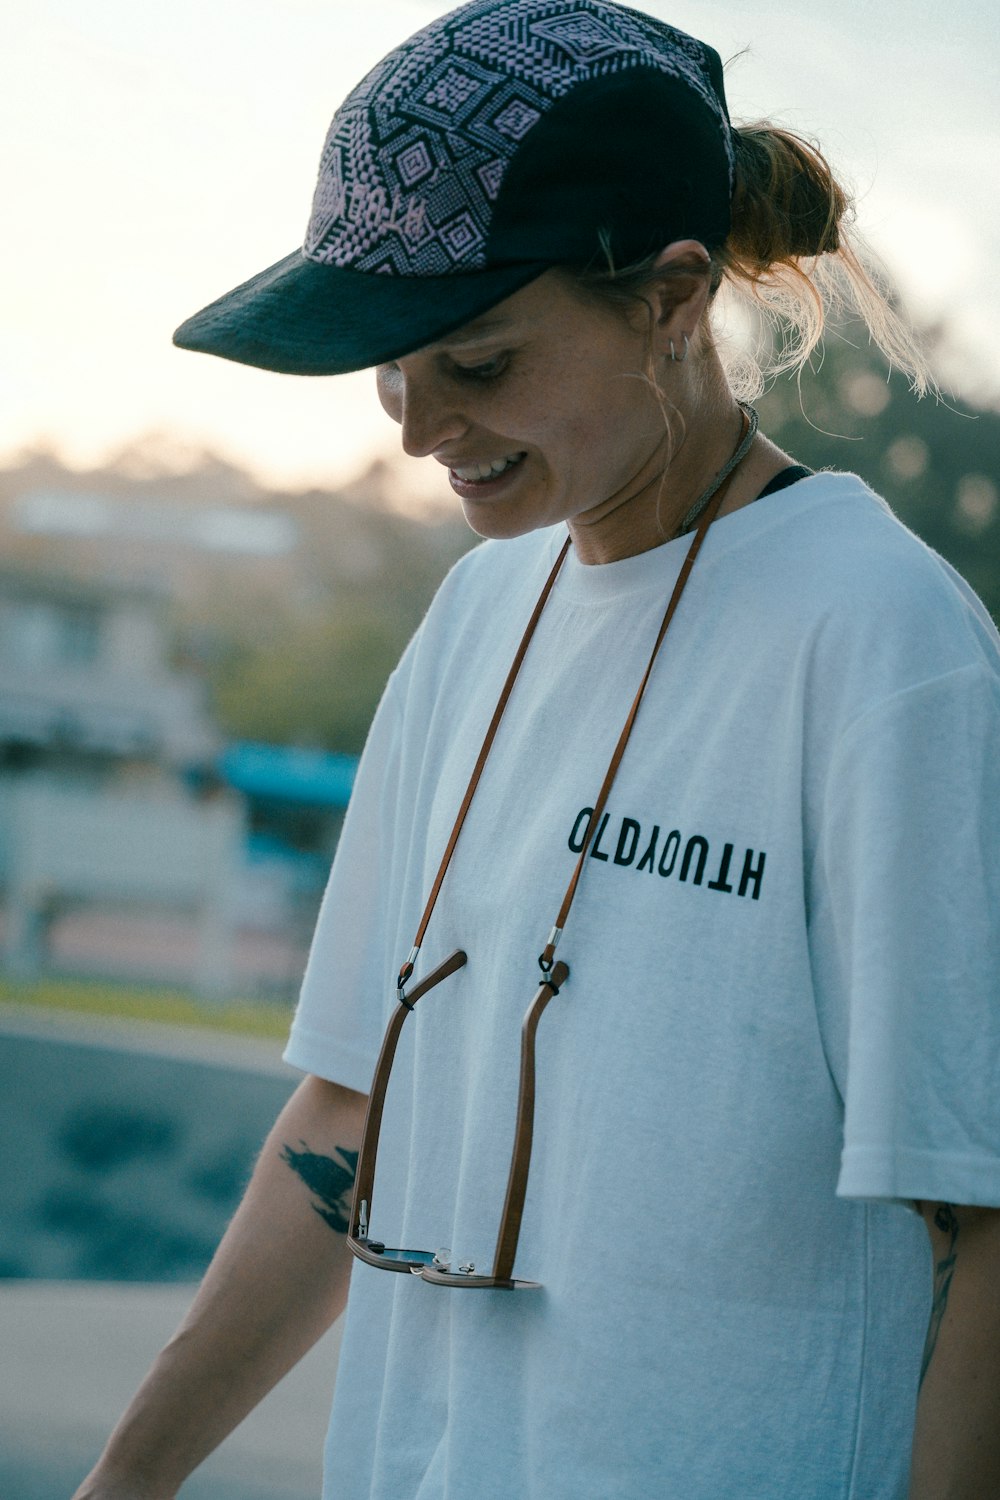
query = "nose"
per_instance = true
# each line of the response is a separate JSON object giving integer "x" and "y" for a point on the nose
{"x": 427, "y": 412}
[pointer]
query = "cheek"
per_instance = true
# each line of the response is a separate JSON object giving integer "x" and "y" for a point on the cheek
{"x": 586, "y": 421}
{"x": 600, "y": 432}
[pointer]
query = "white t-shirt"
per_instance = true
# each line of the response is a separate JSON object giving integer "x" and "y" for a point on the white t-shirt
{"x": 782, "y": 1020}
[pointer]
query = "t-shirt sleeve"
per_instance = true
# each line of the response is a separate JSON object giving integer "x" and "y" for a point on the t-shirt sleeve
{"x": 906, "y": 929}
{"x": 337, "y": 1029}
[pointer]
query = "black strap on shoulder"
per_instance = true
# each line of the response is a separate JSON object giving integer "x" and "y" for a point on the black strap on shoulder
{"x": 790, "y": 475}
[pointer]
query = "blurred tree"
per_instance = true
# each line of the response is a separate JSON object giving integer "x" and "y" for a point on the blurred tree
{"x": 936, "y": 462}
{"x": 316, "y": 682}
{"x": 307, "y": 665}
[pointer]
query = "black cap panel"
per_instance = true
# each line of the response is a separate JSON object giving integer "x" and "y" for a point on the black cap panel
{"x": 633, "y": 155}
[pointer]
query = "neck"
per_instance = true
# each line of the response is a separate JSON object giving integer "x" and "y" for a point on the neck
{"x": 704, "y": 429}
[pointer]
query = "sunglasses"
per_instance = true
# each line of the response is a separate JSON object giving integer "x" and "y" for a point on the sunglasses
{"x": 433, "y": 1265}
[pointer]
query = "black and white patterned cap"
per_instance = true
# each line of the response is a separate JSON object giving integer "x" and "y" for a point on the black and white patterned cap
{"x": 504, "y": 138}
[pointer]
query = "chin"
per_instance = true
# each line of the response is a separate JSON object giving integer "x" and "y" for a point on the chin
{"x": 531, "y": 507}
{"x": 498, "y": 526}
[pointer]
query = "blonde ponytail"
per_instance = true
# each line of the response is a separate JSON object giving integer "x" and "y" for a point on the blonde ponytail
{"x": 793, "y": 255}
{"x": 792, "y": 258}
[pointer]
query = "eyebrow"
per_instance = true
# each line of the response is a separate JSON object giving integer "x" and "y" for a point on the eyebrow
{"x": 470, "y": 333}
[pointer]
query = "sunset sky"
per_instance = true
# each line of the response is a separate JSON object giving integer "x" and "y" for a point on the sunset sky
{"x": 155, "y": 155}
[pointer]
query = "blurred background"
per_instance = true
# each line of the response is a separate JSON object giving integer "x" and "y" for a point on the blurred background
{"x": 207, "y": 573}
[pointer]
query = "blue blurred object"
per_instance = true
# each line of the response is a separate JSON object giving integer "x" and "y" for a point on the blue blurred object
{"x": 288, "y": 773}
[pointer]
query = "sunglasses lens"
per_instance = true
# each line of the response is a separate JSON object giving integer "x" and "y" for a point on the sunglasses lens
{"x": 409, "y": 1257}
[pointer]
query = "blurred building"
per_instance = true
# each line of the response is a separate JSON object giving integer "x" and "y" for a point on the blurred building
{"x": 124, "y": 592}
{"x": 295, "y": 803}
{"x": 180, "y": 540}
{"x": 134, "y": 841}
{"x": 96, "y": 732}
{"x": 86, "y": 689}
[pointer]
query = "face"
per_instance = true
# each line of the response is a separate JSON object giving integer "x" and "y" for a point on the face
{"x": 540, "y": 411}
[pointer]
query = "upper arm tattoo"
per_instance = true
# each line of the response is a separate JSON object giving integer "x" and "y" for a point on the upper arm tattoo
{"x": 329, "y": 1178}
{"x": 944, "y": 1269}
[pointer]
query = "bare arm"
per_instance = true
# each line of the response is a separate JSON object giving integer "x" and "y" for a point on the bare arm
{"x": 277, "y": 1282}
{"x": 956, "y": 1445}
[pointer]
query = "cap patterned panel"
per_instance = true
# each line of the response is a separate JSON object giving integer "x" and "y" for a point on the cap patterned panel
{"x": 491, "y": 176}
{"x": 448, "y": 196}
{"x": 450, "y": 92}
{"x": 414, "y": 161}
{"x": 516, "y": 119}
{"x": 584, "y": 38}
{"x": 417, "y": 154}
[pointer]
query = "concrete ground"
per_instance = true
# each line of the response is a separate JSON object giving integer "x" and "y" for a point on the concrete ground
{"x": 71, "y": 1354}
{"x": 72, "y": 1351}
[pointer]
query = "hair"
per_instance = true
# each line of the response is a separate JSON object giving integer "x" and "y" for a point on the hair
{"x": 791, "y": 257}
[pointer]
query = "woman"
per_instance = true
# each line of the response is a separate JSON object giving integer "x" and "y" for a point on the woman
{"x": 750, "y": 878}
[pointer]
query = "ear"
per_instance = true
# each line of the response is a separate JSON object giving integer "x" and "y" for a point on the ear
{"x": 679, "y": 288}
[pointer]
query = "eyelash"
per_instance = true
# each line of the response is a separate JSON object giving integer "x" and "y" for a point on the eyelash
{"x": 490, "y": 369}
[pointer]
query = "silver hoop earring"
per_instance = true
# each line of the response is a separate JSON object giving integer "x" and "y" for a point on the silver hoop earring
{"x": 673, "y": 352}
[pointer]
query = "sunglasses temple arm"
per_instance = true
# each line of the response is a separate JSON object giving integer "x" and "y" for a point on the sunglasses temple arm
{"x": 517, "y": 1182}
{"x": 365, "y": 1178}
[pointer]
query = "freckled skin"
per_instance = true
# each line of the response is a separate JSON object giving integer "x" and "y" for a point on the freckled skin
{"x": 564, "y": 380}
{"x": 569, "y": 392}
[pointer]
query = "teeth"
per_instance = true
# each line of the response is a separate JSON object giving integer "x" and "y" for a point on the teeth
{"x": 474, "y": 473}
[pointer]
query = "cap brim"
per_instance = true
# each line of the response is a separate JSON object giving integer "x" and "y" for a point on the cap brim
{"x": 303, "y": 318}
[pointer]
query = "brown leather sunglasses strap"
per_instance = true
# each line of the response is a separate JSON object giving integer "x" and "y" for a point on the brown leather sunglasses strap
{"x": 498, "y": 713}
{"x": 547, "y": 956}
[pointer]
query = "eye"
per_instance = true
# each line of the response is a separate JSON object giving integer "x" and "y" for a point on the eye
{"x": 489, "y": 369}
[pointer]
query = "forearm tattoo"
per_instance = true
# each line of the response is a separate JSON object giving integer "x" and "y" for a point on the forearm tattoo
{"x": 944, "y": 1270}
{"x": 329, "y": 1178}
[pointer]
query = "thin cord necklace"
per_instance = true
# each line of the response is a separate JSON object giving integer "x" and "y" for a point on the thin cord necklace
{"x": 720, "y": 478}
